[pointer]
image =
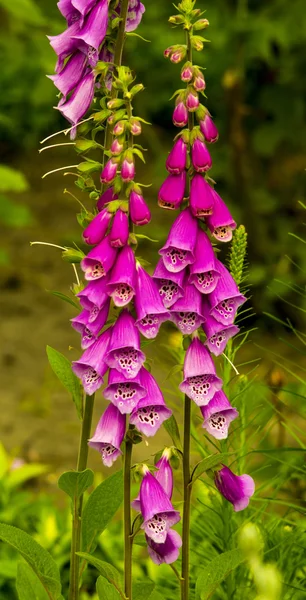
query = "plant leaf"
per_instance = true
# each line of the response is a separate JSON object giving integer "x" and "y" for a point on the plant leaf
{"x": 142, "y": 589}
{"x": 208, "y": 463}
{"x": 108, "y": 571}
{"x": 74, "y": 483}
{"x": 101, "y": 506}
{"x": 28, "y": 585}
{"x": 216, "y": 571}
{"x": 62, "y": 369}
{"x": 105, "y": 590}
{"x": 65, "y": 298}
{"x": 36, "y": 556}
{"x": 172, "y": 429}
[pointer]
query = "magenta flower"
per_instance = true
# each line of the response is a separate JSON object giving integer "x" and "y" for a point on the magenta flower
{"x": 124, "y": 394}
{"x": 139, "y": 211}
{"x": 186, "y": 312}
{"x": 187, "y": 72}
{"x": 94, "y": 295}
{"x": 167, "y": 552}
{"x": 218, "y": 415}
{"x": 94, "y": 28}
{"x": 201, "y": 158}
{"x": 150, "y": 310}
{"x": 124, "y": 352}
{"x": 99, "y": 260}
{"x": 172, "y": 191}
{"x": 200, "y": 379}
{"x": 83, "y": 6}
{"x": 180, "y": 115}
{"x": 109, "y": 435}
{"x": 106, "y": 197}
{"x": 89, "y": 324}
{"x": 119, "y": 234}
{"x": 217, "y": 334}
{"x": 178, "y": 251}
{"x": 64, "y": 44}
{"x": 156, "y": 508}
{"x": 71, "y": 74}
{"x": 80, "y": 100}
{"x": 192, "y": 101}
{"x": 236, "y": 489}
{"x": 164, "y": 476}
{"x": 122, "y": 282}
{"x": 110, "y": 171}
{"x": 176, "y": 161}
{"x": 226, "y": 298}
{"x": 134, "y": 16}
{"x": 116, "y": 147}
{"x": 204, "y": 273}
{"x": 91, "y": 367}
{"x": 68, "y": 11}
{"x": 201, "y": 197}
{"x": 127, "y": 169}
{"x": 151, "y": 411}
{"x": 170, "y": 285}
{"x": 199, "y": 83}
{"x": 209, "y": 129}
{"x": 97, "y": 228}
{"x": 135, "y": 126}
{"x": 220, "y": 222}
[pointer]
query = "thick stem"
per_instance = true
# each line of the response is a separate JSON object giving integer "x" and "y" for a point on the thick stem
{"x": 78, "y": 504}
{"x": 187, "y": 498}
{"x": 127, "y": 520}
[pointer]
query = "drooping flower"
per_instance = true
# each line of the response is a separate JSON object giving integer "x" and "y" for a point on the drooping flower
{"x": 64, "y": 44}
{"x": 176, "y": 161}
{"x": 178, "y": 251}
{"x": 204, "y": 273}
{"x": 80, "y": 100}
{"x": 109, "y": 435}
{"x": 94, "y": 295}
{"x": 128, "y": 169}
{"x": 200, "y": 379}
{"x": 91, "y": 367}
{"x": 220, "y": 222}
{"x": 170, "y": 285}
{"x": 166, "y": 552}
{"x": 83, "y": 6}
{"x": 97, "y": 228}
{"x": 186, "y": 312}
{"x": 218, "y": 414}
{"x": 106, "y": 197}
{"x": 68, "y": 11}
{"x": 180, "y": 115}
{"x": 201, "y": 197}
{"x": 94, "y": 28}
{"x": 151, "y": 411}
{"x": 139, "y": 211}
{"x": 150, "y": 310}
{"x": 209, "y": 129}
{"x": 217, "y": 334}
{"x": 156, "y": 508}
{"x": 172, "y": 191}
{"x": 89, "y": 324}
{"x": 99, "y": 260}
{"x": 71, "y": 74}
{"x": 124, "y": 352}
{"x": 236, "y": 489}
{"x": 226, "y": 298}
{"x": 164, "y": 476}
{"x": 122, "y": 282}
{"x": 134, "y": 16}
{"x": 119, "y": 233}
{"x": 124, "y": 394}
{"x": 201, "y": 158}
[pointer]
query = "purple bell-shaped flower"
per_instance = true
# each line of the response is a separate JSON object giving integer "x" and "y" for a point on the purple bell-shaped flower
{"x": 217, "y": 334}
{"x": 124, "y": 352}
{"x": 156, "y": 509}
{"x": 150, "y": 310}
{"x": 99, "y": 260}
{"x": 220, "y": 222}
{"x": 109, "y": 435}
{"x": 203, "y": 271}
{"x": 124, "y": 393}
{"x": 236, "y": 489}
{"x": 170, "y": 285}
{"x": 200, "y": 379}
{"x": 151, "y": 411}
{"x": 186, "y": 312}
{"x": 121, "y": 285}
{"x": 172, "y": 191}
{"x": 178, "y": 251}
{"x": 226, "y": 298}
{"x": 218, "y": 414}
{"x": 91, "y": 366}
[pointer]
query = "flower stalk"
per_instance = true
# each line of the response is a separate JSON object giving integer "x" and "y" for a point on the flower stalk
{"x": 128, "y": 539}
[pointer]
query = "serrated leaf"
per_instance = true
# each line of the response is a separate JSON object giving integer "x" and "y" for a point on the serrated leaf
{"x": 108, "y": 571}
{"x": 74, "y": 483}
{"x": 28, "y": 585}
{"x": 65, "y": 298}
{"x": 142, "y": 589}
{"x": 216, "y": 571}
{"x": 208, "y": 463}
{"x": 106, "y": 590}
{"x": 36, "y": 556}
{"x": 62, "y": 368}
{"x": 101, "y": 506}
{"x": 172, "y": 429}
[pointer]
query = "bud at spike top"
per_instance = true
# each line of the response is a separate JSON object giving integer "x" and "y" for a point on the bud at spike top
{"x": 135, "y": 126}
{"x": 128, "y": 169}
{"x": 187, "y": 72}
{"x": 109, "y": 172}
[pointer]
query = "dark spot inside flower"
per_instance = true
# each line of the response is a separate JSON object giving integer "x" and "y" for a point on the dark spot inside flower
{"x": 217, "y": 421}
{"x": 148, "y": 415}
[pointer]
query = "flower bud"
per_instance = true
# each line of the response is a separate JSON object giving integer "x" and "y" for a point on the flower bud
{"x": 201, "y": 158}
{"x": 120, "y": 230}
{"x": 115, "y": 103}
{"x": 176, "y": 19}
{"x": 117, "y": 147}
{"x": 187, "y": 72}
{"x": 139, "y": 211}
{"x": 178, "y": 55}
{"x": 199, "y": 81}
{"x": 128, "y": 168}
{"x": 197, "y": 43}
{"x": 209, "y": 129}
{"x": 168, "y": 51}
{"x": 200, "y": 24}
{"x": 109, "y": 172}
{"x": 119, "y": 128}
{"x": 192, "y": 101}
{"x": 180, "y": 115}
{"x": 135, "y": 126}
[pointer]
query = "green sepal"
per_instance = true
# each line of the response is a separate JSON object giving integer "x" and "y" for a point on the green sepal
{"x": 72, "y": 255}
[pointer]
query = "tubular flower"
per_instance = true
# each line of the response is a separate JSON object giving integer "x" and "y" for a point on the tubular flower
{"x": 109, "y": 435}
{"x": 201, "y": 158}
{"x": 106, "y": 197}
{"x": 97, "y": 228}
{"x": 177, "y": 159}
{"x": 156, "y": 509}
{"x": 236, "y": 489}
{"x": 68, "y": 11}
{"x": 218, "y": 414}
{"x": 201, "y": 197}
{"x": 134, "y": 16}
{"x": 204, "y": 273}
{"x": 150, "y": 310}
{"x": 124, "y": 394}
{"x": 217, "y": 334}
{"x": 110, "y": 171}
{"x": 122, "y": 281}
{"x": 151, "y": 411}
{"x": 164, "y": 476}
{"x": 119, "y": 234}
{"x": 91, "y": 367}
{"x": 64, "y": 44}
{"x": 180, "y": 115}
{"x": 168, "y": 551}
{"x": 226, "y": 298}
{"x": 220, "y": 221}
{"x": 139, "y": 211}
{"x": 127, "y": 170}
{"x": 186, "y": 312}
{"x": 89, "y": 324}
{"x": 79, "y": 102}
{"x": 71, "y": 74}
{"x": 170, "y": 285}
{"x": 99, "y": 260}
{"x": 209, "y": 129}
{"x": 172, "y": 191}
{"x": 200, "y": 379}
{"x": 94, "y": 295}
{"x": 178, "y": 251}
{"x": 94, "y": 28}
{"x": 124, "y": 352}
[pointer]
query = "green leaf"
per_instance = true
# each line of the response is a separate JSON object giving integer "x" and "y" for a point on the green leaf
{"x": 12, "y": 180}
{"x": 141, "y": 236}
{"x": 216, "y": 571}
{"x": 28, "y": 585}
{"x": 19, "y": 476}
{"x": 36, "y": 556}
{"x": 101, "y": 506}
{"x": 108, "y": 571}
{"x": 172, "y": 429}
{"x": 74, "y": 483}
{"x": 105, "y": 590}
{"x": 89, "y": 166}
{"x": 139, "y": 154}
{"x": 61, "y": 366}
{"x": 208, "y": 463}
{"x": 65, "y": 298}
{"x": 8, "y": 569}
{"x": 132, "y": 34}
{"x": 142, "y": 589}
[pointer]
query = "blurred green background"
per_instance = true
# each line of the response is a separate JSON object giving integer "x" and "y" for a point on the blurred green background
{"x": 256, "y": 90}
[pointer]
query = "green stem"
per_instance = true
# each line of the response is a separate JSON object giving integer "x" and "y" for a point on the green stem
{"x": 187, "y": 499}
{"x": 78, "y": 504}
{"x": 127, "y": 520}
